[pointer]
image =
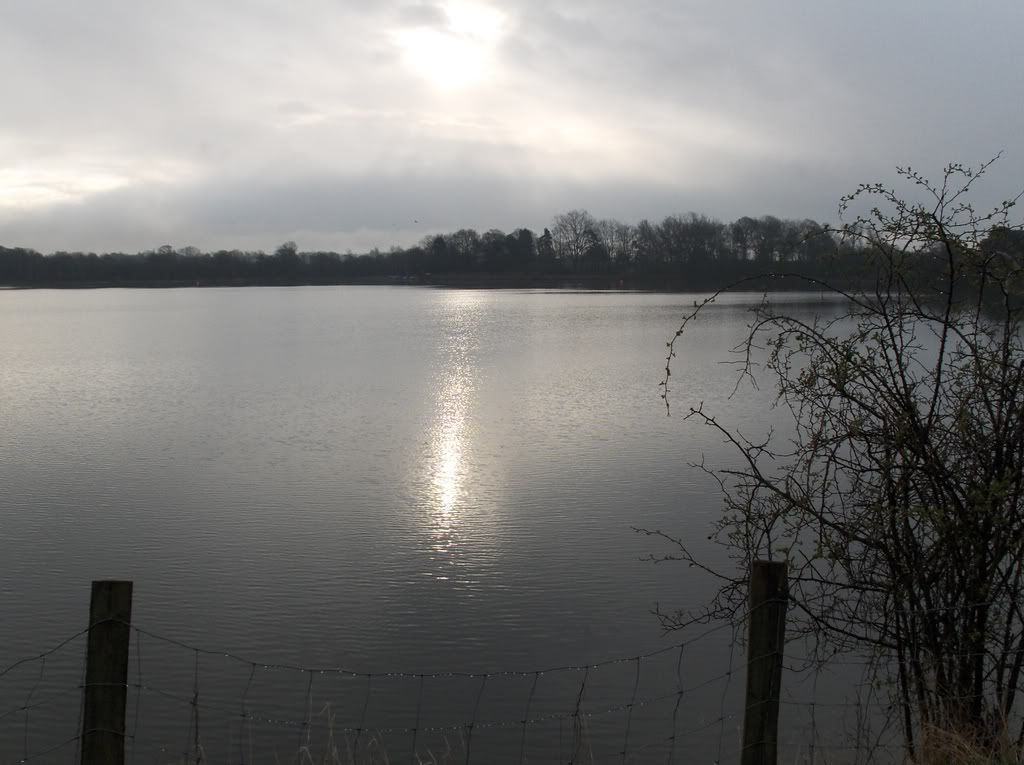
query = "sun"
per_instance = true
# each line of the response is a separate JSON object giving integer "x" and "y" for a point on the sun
{"x": 458, "y": 54}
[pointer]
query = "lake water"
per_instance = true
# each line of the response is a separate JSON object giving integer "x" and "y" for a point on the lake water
{"x": 381, "y": 479}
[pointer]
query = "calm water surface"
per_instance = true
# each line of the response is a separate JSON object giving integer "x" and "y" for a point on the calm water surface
{"x": 388, "y": 479}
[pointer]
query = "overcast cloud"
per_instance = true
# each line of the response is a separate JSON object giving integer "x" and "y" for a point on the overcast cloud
{"x": 245, "y": 123}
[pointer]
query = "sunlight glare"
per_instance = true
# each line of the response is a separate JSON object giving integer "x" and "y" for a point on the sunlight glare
{"x": 448, "y": 475}
{"x": 458, "y": 55}
{"x": 452, "y": 431}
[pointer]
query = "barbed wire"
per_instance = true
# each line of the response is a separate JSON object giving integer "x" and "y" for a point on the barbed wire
{"x": 192, "y": 700}
{"x": 42, "y": 655}
{"x": 576, "y": 713}
{"x": 340, "y": 670}
{"x": 67, "y": 742}
{"x": 247, "y": 712}
{"x": 575, "y": 717}
{"x": 740, "y": 617}
{"x": 451, "y": 728}
{"x": 138, "y": 692}
{"x": 76, "y": 689}
{"x": 725, "y": 693}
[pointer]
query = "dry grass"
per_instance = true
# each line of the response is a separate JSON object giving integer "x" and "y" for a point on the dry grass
{"x": 940, "y": 746}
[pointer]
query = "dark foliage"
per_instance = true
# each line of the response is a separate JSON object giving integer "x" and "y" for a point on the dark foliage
{"x": 681, "y": 252}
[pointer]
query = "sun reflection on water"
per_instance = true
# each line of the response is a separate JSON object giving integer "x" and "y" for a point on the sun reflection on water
{"x": 451, "y": 434}
{"x": 447, "y": 443}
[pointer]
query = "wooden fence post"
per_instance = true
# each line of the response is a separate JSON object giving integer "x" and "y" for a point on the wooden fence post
{"x": 769, "y": 589}
{"x": 106, "y": 673}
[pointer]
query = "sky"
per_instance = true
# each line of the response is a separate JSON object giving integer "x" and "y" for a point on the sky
{"x": 343, "y": 125}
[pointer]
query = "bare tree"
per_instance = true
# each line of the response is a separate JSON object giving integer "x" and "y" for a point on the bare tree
{"x": 617, "y": 239}
{"x": 575, "y": 235}
{"x": 897, "y": 499}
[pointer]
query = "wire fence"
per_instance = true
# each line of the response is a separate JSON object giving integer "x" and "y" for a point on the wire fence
{"x": 688, "y": 701}
{"x": 194, "y": 704}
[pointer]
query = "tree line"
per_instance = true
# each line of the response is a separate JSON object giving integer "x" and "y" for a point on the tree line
{"x": 682, "y": 251}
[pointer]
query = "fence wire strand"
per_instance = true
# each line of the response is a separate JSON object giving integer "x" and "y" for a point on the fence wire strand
{"x": 629, "y": 708}
{"x": 584, "y": 715}
{"x": 526, "y": 717}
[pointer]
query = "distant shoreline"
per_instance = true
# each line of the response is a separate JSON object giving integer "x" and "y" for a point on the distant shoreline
{"x": 596, "y": 283}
